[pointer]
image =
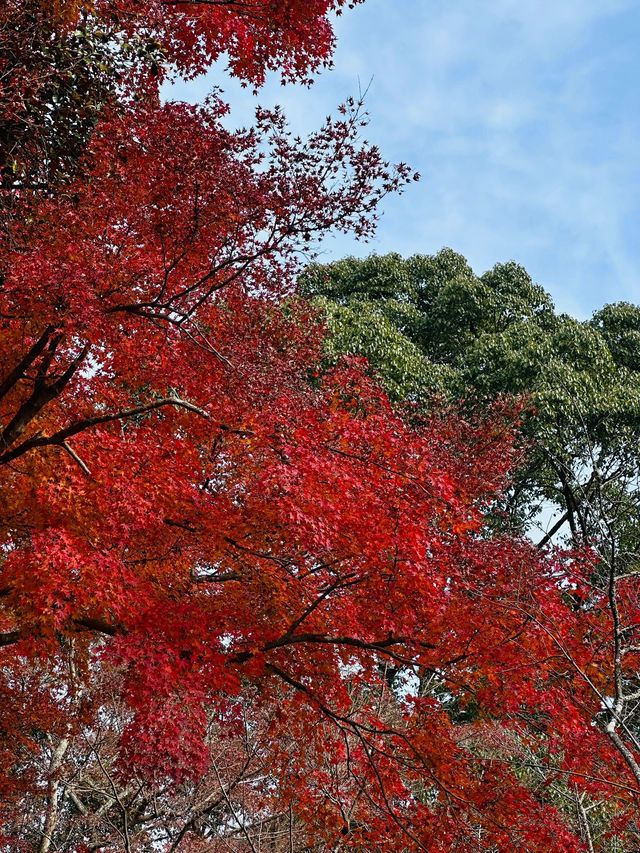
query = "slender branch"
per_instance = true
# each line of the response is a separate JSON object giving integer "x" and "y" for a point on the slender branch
{"x": 551, "y": 533}
{"x": 341, "y": 583}
{"x": 75, "y": 457}
{"x": 58, "y": 438}
{"x": 53, "y": 793}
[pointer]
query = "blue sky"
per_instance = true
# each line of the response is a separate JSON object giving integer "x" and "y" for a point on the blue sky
{"x": 523, "y": 117}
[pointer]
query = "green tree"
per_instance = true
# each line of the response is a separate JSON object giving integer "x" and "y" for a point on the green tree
{"x": 431, "y": 328}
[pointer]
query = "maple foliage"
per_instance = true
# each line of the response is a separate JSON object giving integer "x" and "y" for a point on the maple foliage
{"x": 61, "y": 62}
{"x": 294, "y": 37}
{"x": 224, "y": 571}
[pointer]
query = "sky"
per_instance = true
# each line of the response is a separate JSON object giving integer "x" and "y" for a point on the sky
{"x": 523, "y": 118}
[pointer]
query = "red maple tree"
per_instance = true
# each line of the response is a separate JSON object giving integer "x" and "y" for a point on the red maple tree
{"x": 246, "y": 605}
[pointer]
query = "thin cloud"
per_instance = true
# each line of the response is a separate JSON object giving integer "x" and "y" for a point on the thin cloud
{"x": 522, "y": 115}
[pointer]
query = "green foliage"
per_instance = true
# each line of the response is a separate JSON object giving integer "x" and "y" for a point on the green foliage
{"x": 428, "y": 324}
{"x": 364, "y": 329}
{"x": 619, "y": 325}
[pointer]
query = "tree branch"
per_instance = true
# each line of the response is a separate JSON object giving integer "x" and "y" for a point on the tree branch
{"x": 58, "y": 438}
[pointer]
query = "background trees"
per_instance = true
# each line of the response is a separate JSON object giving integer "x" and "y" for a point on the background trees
{"x": 429, "y": 326}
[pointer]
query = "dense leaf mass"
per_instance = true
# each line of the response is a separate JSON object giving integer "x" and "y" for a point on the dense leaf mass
{"x": 246, "y": 602}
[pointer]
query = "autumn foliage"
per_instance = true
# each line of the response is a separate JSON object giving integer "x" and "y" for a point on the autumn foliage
{"x": 245, "y": 603}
